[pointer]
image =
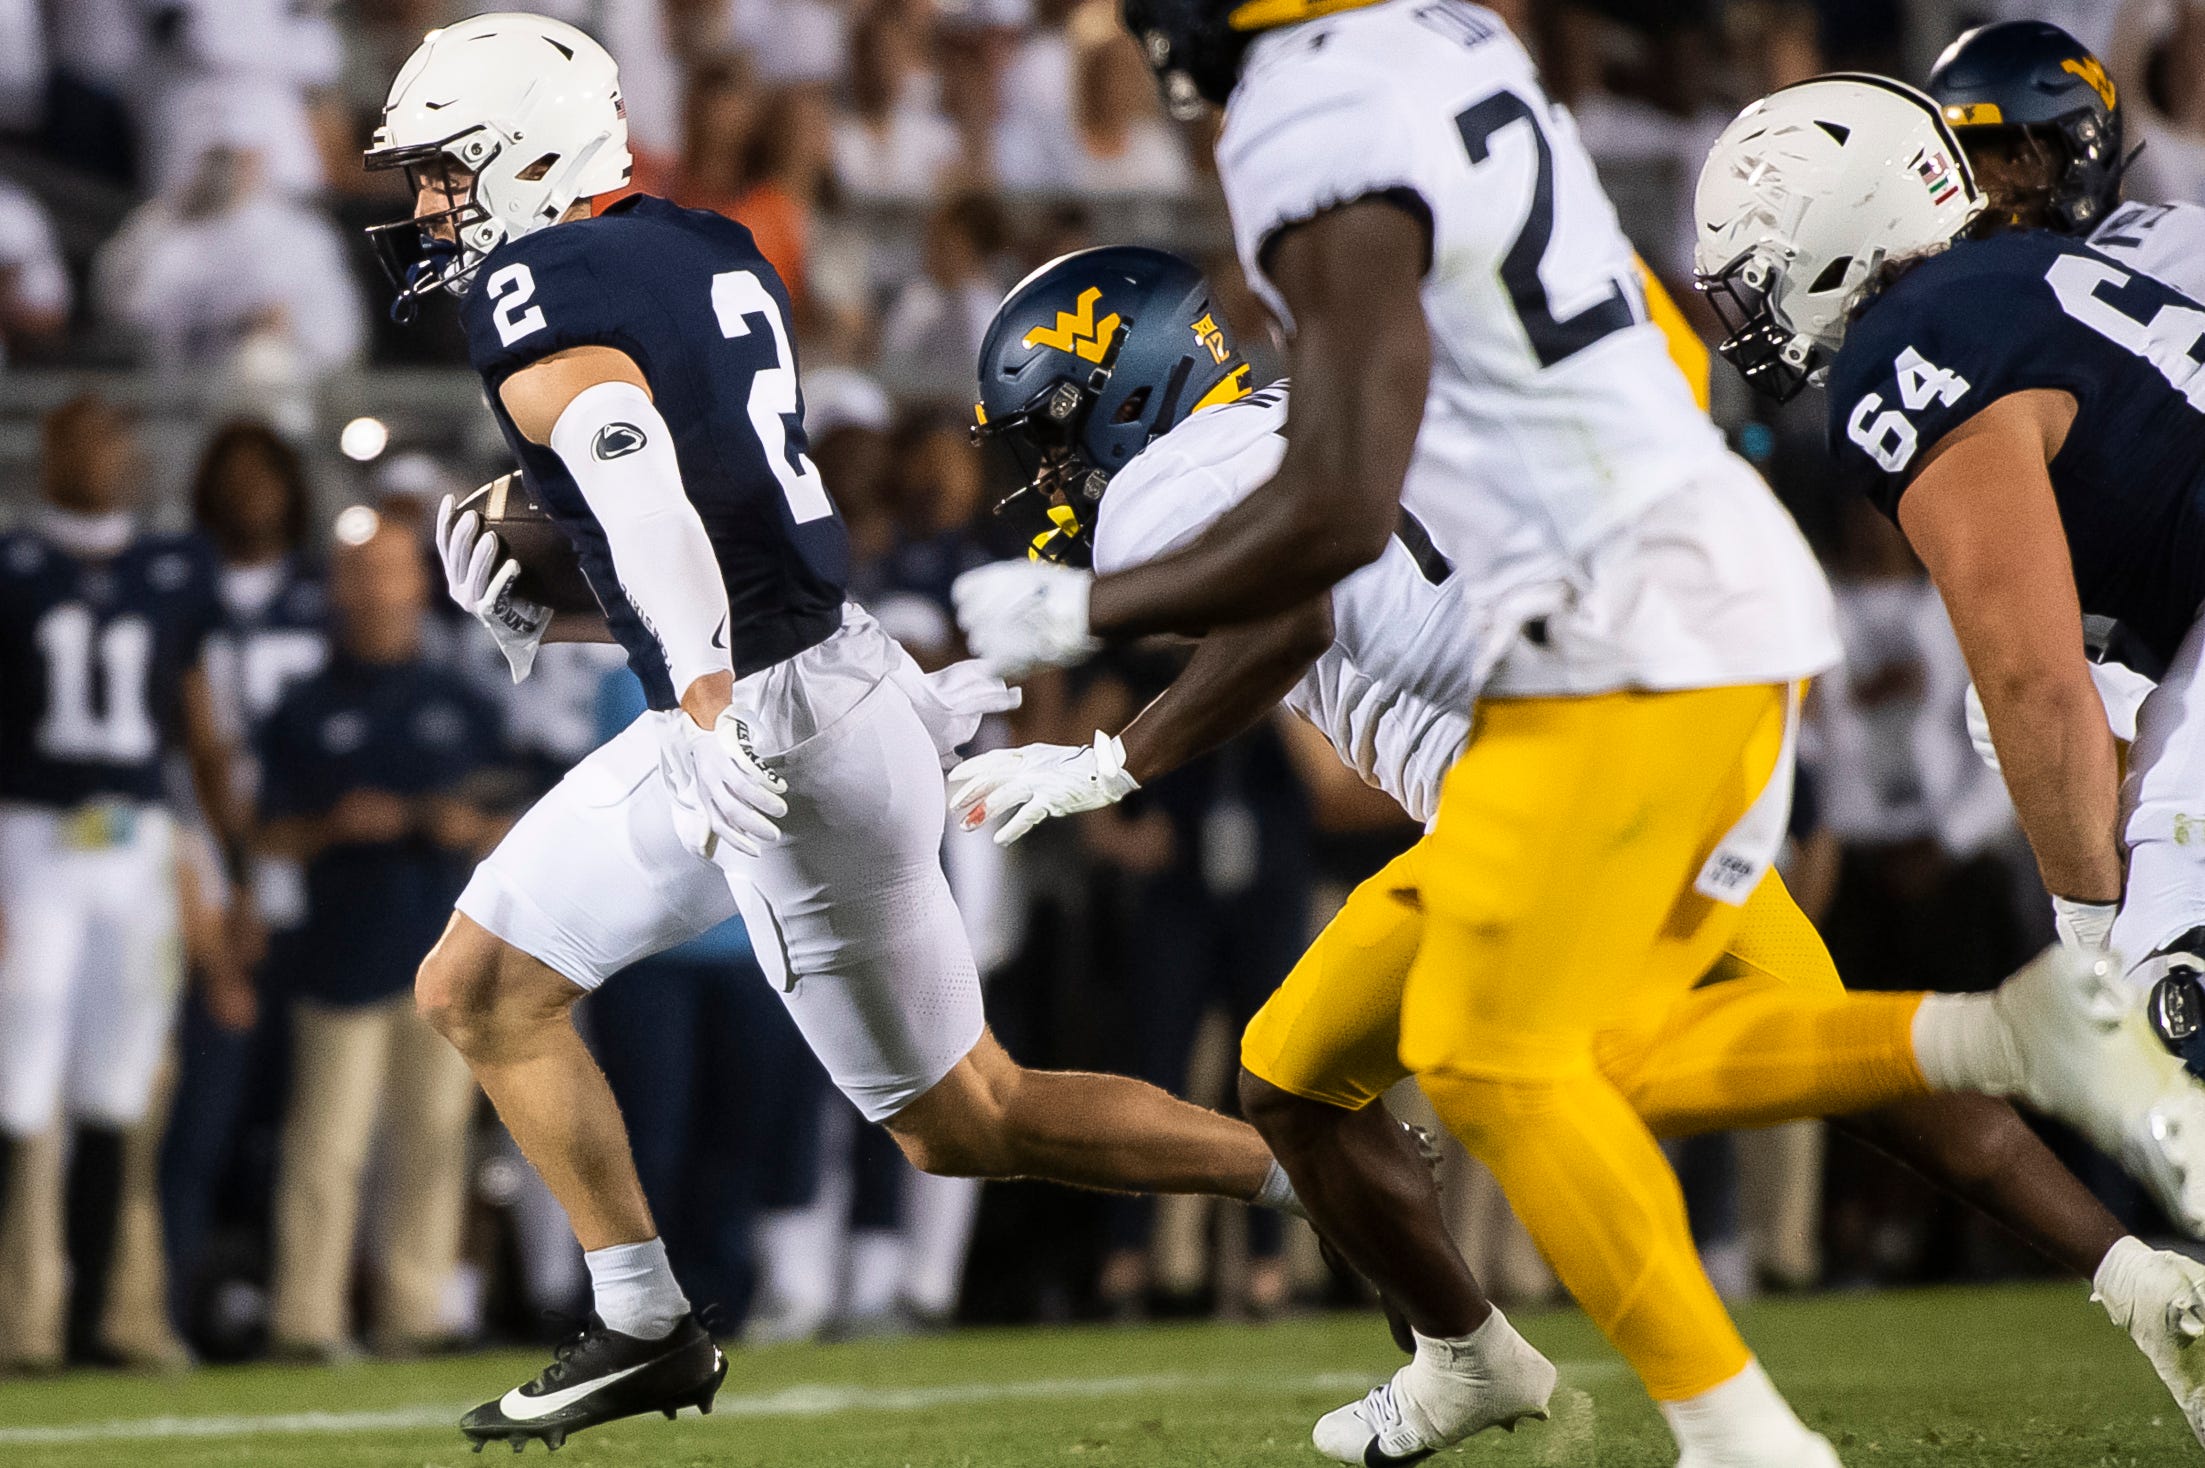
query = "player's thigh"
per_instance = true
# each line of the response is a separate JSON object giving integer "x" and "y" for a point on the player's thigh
{"x": 851, "y": 916}
{"x": 130, "y": 981}
{"x": 46, "y": 909}
{"x": 593, "y": 876}
{"x": 1559, "y": 880}
{"x": 1332, "y": 1031}
{"x": 1772, "y": 942}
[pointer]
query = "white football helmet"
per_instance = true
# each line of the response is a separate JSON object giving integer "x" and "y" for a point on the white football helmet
{"x": 1804, "y": 197}
{"x": 530, "y": 107}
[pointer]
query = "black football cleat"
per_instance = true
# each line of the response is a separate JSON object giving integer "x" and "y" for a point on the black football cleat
{"x": 600, "y": 1376}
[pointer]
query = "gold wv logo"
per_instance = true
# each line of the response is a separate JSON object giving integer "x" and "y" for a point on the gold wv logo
{"x": 1077, "y": 330}
{"x": 2092, "y": 71}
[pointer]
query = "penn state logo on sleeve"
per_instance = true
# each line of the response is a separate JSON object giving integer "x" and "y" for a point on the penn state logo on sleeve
{"x": 617, "y": 441}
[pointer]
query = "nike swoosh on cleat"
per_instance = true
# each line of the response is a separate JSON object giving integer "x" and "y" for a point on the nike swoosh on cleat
{"x": 1377, "y": 1457}
{"x": 522, "y": 1408}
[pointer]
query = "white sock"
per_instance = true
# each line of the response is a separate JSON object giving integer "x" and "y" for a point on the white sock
{"x": 2109, "y": 1286}
{"x": 1459, "y": 1354}
{"x": 1276, "y": 1191}
{"x": 1961, "y": 1043}
{"x": 634, "y": 1289}
{"x": 1744, "y": 1413}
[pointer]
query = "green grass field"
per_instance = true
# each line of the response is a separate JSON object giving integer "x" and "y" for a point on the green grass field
{"x": 1967, "y": 1378}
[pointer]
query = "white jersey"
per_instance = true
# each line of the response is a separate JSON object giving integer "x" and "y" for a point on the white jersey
{"x": 2164, "y": 241}
{"x": 1415, "y": 639}
{"x": 1557, "y": 430}
{"x": 1410, "y": 647}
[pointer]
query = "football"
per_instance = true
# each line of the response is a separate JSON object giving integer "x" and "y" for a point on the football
{"x": 550, "y": 573}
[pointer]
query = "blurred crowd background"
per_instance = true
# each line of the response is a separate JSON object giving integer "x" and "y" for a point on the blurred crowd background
{"x": 192, "y": 325}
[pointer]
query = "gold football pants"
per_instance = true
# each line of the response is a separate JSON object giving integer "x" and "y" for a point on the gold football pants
{"x": 1542, "y": 962}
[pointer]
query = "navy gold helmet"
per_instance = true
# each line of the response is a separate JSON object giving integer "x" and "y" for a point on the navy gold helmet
{"x": 1195, "y": 47}
{"x": 2032, "y": 105}
{"x": 1087, "y": 360}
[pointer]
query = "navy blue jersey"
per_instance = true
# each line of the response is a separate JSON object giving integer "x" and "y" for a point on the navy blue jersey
{"x": 92, "y": 659}
{"x": 406, "y": 729}
{"x": 687, "y": 296}
{"x": 275, "y": 631}
{"x": 2035, "y": 310}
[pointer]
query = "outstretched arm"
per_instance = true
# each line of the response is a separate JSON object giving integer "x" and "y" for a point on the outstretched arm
{"x": 1982, "y": 516}
{"x": 1235, "y": 678}
{"x": 1361, "y": 363}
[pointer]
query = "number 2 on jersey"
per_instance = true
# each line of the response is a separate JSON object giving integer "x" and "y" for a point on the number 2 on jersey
{"x": 1553, "y": 339}
{"x": 738, "y": 296}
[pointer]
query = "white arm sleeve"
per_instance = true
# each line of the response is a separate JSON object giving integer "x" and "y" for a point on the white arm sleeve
{"x": 621, "y": 454}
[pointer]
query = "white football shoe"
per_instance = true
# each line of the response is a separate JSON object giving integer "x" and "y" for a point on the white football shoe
{"x": 2089, "y": 1057}
{"x": 1450, "y": 1391}
{"x": 2158, "y": 1297}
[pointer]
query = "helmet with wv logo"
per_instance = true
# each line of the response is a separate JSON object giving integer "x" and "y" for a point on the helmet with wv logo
{"x": 2028, "y": 100}
{"x": 1087, "y": 360}
{"x": 512, "y": 119}
{"x": 1195, "y": 47}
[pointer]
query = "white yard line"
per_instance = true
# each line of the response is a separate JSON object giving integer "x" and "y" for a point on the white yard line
{"x": 810, "y": 1399}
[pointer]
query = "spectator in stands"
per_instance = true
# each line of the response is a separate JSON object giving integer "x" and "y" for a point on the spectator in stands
{"x": 34, "y": 284}
{"x": 1124, "y": 145}
{"x": 893, "y": 143}
{"x": 754, "y": 155}
{"x": 227, "y": 273}
{"x": 795, "y": 42}
{"x": 250, "y": 496}
{"x": 932, "y": 330}
{"x": 1079, "y": 114}
{"x": 95, "y": 49}
{"x": 847, "y": 421}
{"x": 225, "y": 70}
{"x": 974, "y": 44}
{"x": 939, "y": 490}
{"x": 369, "y": 771}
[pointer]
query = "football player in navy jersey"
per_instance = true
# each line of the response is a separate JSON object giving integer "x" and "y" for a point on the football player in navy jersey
{"x": 2043, "y": 125}
{"x": 2031, "y": 414}
{"x": 102, "y": 627}
{"x": 250, "y": 497}
{"x": 639, "y": 362}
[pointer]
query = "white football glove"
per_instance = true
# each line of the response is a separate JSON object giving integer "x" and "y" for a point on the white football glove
{"x": 484, "y": 588}
{"x": 1022, "y": 615}
{"x": 2085, "y": 926}
{"x": 1036, "y": 781}
{"x": 722, "y": 795}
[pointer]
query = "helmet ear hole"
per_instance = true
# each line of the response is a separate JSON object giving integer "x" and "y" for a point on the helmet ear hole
{"x": 536, "y": 171}
{"x": 1832, "y": 276}
{"x": 1135, "y": 404}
